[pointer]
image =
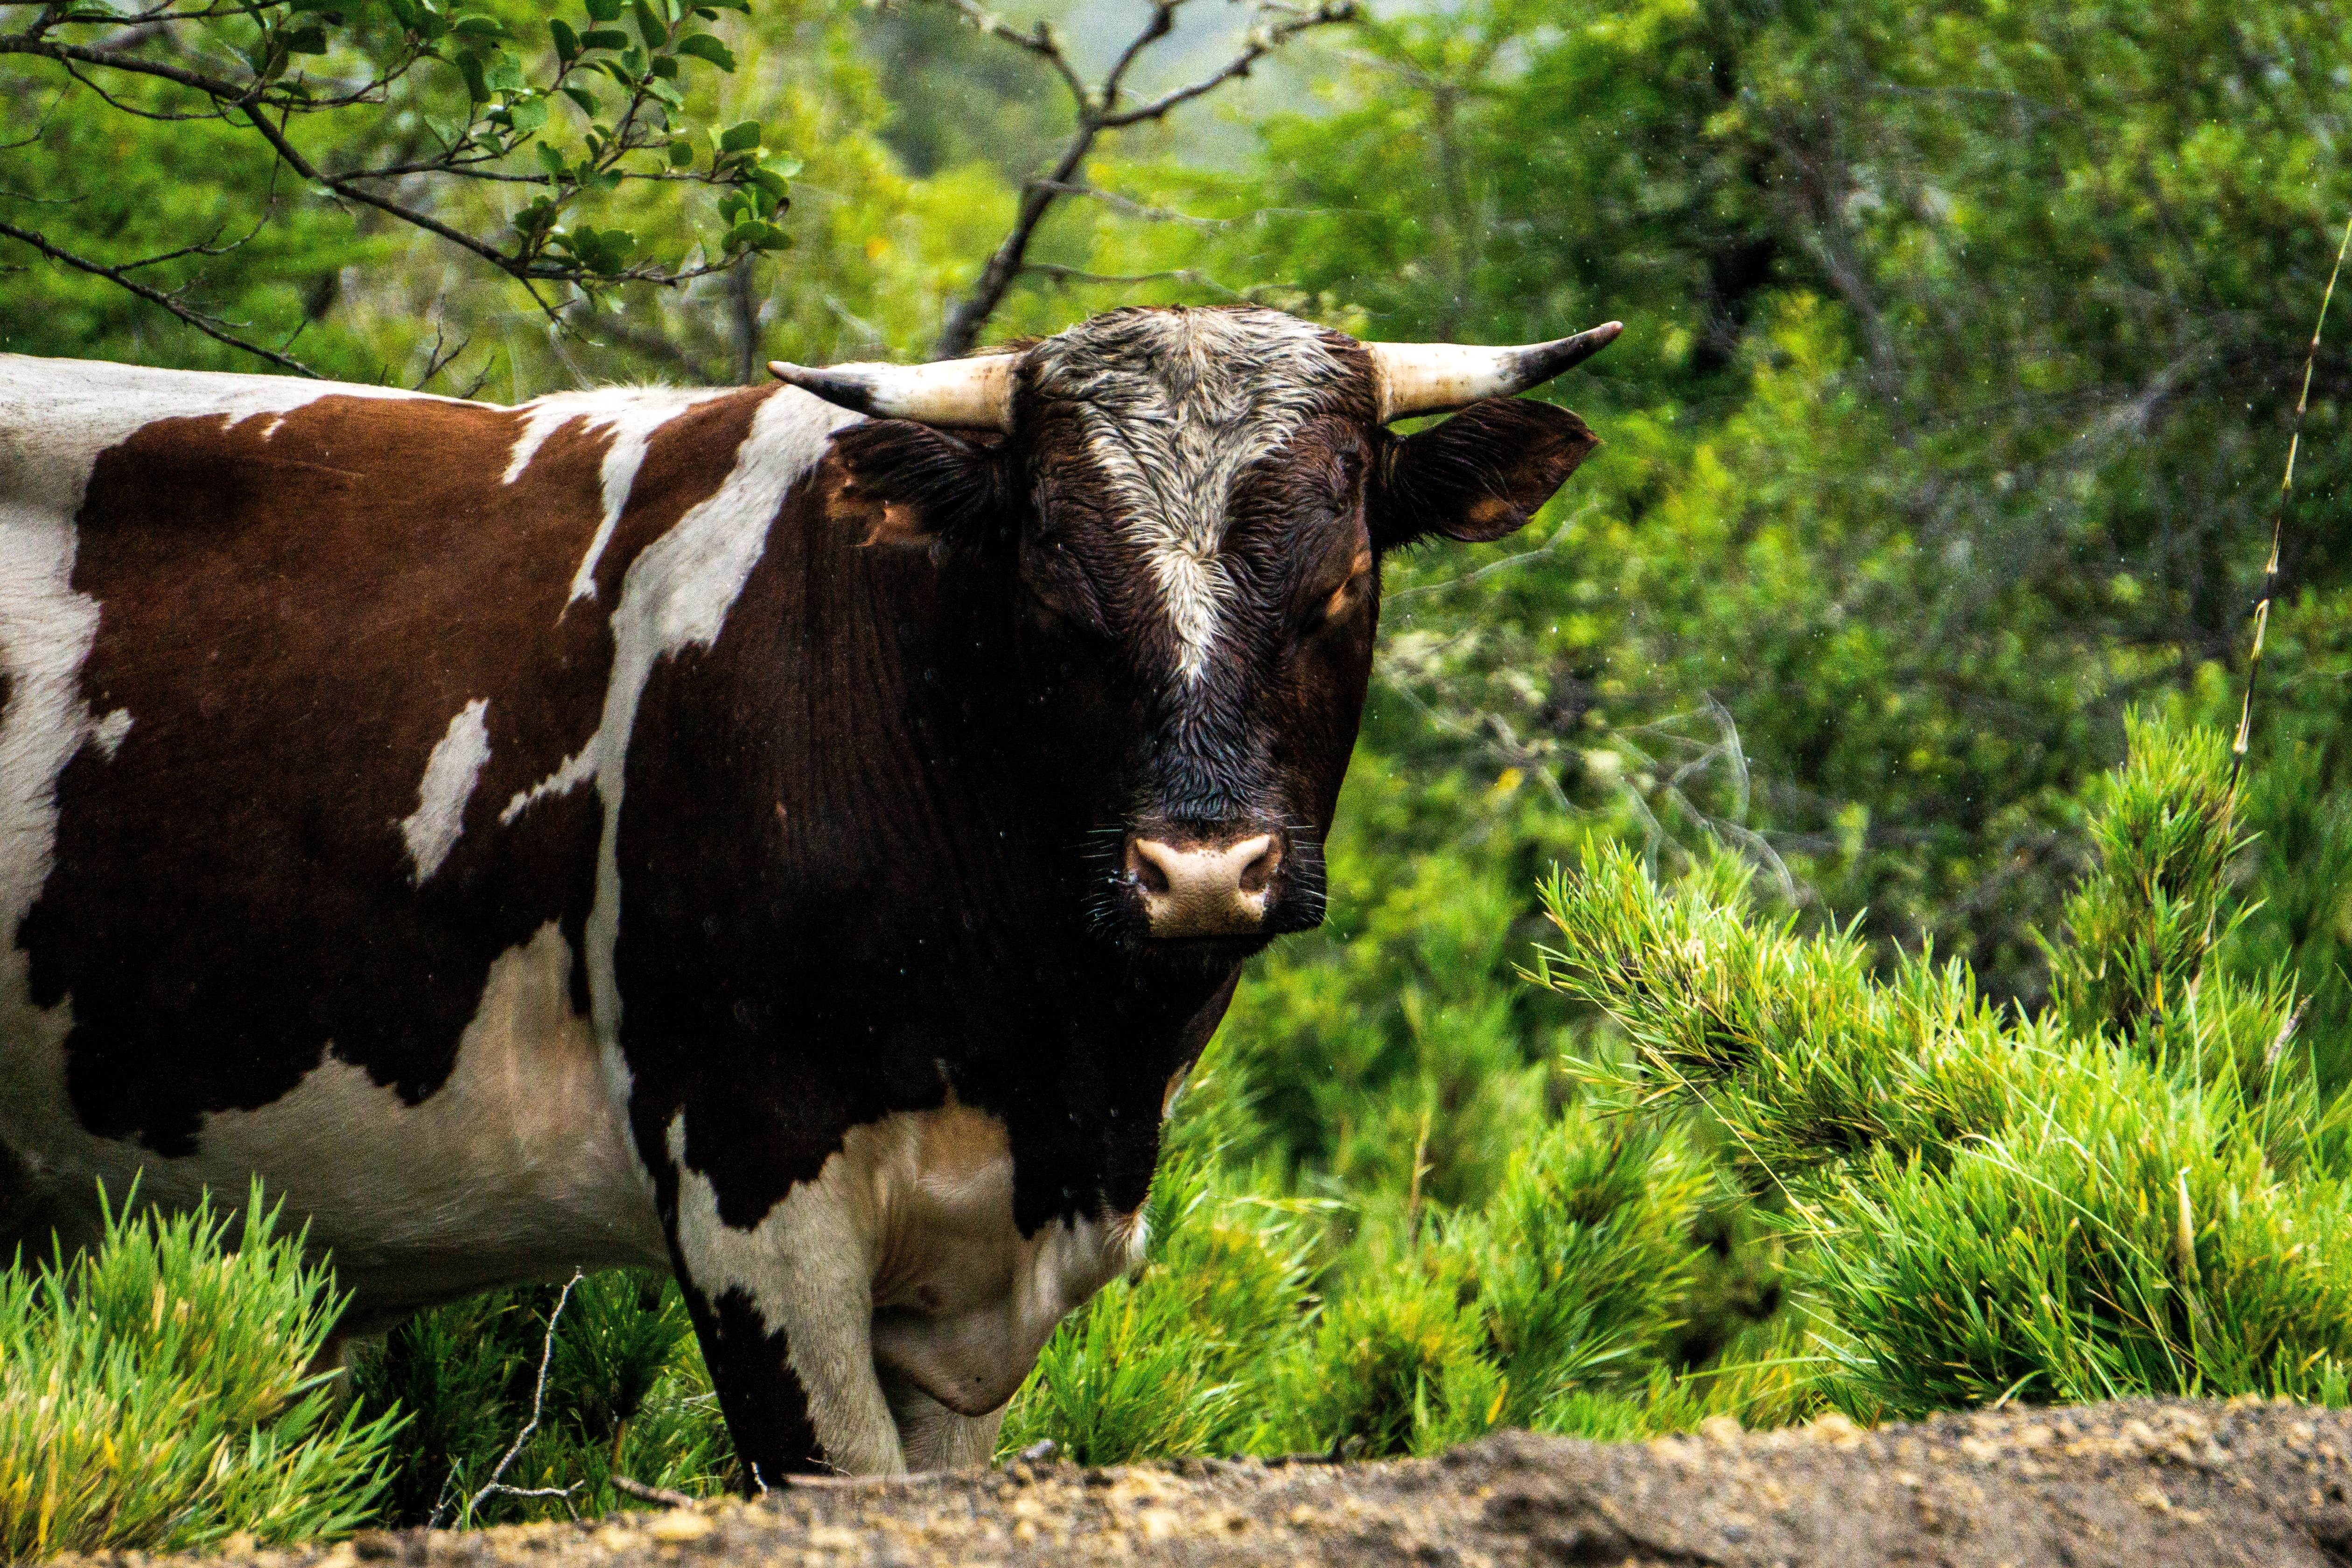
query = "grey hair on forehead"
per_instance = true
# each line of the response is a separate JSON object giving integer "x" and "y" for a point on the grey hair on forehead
{"x": 1174, "y": 406}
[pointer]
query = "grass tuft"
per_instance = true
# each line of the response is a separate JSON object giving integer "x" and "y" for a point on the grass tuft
{"x": 156, "y": 1392}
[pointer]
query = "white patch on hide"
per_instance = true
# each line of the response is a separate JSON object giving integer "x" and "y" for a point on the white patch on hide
{"x": 111, "y": 732}
{"x": 575, "y": 770}
{"x": 1176, "y": 405}
{"x": 910, "y": 1304}
{"x": 632, "y": 414}
{"x": 516, "y": 1167}
{"x": 431, "y": 830}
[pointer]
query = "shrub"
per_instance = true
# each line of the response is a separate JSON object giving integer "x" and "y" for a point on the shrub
{"x": 1568, "y": 1283}
{"x": 626, "y": 1394}
{"x": 2132, "y": 1195}
{"x": 157, "y": 1394}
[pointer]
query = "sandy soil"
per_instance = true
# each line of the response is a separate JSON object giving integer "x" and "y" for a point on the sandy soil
{"x": 2140, "y": 1484}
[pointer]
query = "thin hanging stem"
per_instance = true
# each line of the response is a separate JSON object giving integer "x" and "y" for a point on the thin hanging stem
{"x": 2278, "y": 521}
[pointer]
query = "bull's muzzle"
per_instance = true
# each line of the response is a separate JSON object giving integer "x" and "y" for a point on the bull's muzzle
{"x": 1204, "y": 888}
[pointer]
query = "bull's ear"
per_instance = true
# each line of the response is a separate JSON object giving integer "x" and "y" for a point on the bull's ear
{"x": 905, "y": 483}
{"x": 1480, "y": 475}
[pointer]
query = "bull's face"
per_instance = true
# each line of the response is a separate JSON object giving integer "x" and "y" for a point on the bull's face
{"x": 1190, "y": 507}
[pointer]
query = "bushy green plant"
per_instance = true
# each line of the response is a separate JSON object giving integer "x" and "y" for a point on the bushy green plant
{"x": 1568, "y": 1281}
{"x": 2120, "y": 1197}
{"x": 158, "y": 1393}
{"x": 625, "y": 1394}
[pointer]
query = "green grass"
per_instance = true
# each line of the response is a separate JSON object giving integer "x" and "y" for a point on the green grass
{"x": 156, "y": 1393}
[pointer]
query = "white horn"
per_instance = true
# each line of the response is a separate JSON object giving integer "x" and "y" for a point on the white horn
{"x": 1435, "y": 378}
{"x": 973, "y": 394}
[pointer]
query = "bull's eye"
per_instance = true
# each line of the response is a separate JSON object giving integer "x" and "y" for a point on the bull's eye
{"x": 1348, "y": 595}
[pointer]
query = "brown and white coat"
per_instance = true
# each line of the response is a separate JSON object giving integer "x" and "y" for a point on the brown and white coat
{"x": 702, "y": 829}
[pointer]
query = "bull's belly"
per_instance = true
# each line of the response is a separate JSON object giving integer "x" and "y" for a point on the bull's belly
{"x": 516, "y": 1167}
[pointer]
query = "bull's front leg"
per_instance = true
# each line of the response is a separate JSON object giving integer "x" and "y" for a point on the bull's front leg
{"x": 782, "y": 1302}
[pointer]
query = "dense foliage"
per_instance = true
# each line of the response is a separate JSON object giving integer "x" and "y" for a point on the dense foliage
{"x": 1962, "y": 345}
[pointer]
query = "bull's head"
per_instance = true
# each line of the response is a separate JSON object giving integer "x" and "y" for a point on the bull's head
{"x": 1194, "y": 504}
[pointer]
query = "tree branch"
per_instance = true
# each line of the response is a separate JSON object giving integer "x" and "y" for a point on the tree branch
{"x": 211, "y": 326}
{"x": 1098, "y": 111}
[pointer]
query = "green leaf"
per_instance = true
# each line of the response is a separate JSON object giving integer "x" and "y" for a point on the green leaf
{"x": 448, "y": 132}
{"x": 504, "y": 74}
{"x": 662, "y": 92}
{"x": 567, "y": 42}
{"x": 681, "y": 153}
{"x": 782, "y": 164}
{"x": 666, "y": 67}
{"x": 475, "y": 24}
{"x": 527, "y": 115}
{"x": 469, "y": 66}
{"x": 755, "y": 234}
{"x": 651, "y": 27}
{"x": 604, "y": 10}
{"x": 552, "y": 160}
{"x": 405, "y": 13}
{"x": 740, "y": 138}
{"x": 605, "y": 38}
{"x": 770, "y": 182}
{"x": 583, "y": 97}
{"x": 308, "y": 40}
{"x": 703, "y": 47}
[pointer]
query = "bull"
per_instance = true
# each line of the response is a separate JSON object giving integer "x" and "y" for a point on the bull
{"x": 798, "y": 837}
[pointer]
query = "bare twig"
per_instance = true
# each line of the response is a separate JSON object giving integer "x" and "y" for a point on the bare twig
{"x": 211, "y": 326}
{"x": 663, "y": 1496}
{"x": 537, "y": 1403}
{"x": 1098, "y": 110}
{"x": 2278, "y": 518}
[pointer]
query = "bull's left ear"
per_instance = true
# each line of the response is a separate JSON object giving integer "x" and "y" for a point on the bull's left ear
{"x": 921, "y": 486}
{"x": 1480, "y": 475}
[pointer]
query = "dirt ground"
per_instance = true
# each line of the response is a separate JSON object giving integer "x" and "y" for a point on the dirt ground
{"x": 2142, "y": 1484}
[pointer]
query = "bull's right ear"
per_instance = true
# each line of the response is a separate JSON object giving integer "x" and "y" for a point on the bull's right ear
{"x": 1480, "y": 475}
{"x": 912, "y": 484}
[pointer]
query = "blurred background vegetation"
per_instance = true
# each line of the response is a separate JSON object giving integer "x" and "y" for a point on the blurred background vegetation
{"x": 1962, "y": 349}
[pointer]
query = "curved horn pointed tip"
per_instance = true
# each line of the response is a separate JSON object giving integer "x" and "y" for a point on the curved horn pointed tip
{"x": 968, "y": 394}
{"x": 1434, "y": 378}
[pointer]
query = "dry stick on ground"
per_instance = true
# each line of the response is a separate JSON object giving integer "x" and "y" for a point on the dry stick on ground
{"x": 538, "y": 1402}
{"x": 2278, "y": 522}
{"x": 629, "y": 1487}
{"x": 1100, "y": 106}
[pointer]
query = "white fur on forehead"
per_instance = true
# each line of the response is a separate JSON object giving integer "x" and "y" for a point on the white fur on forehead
{"x": 1175, "y": 405}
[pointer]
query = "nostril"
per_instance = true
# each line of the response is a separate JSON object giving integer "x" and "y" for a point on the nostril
{"x": 1259, "y": 872}
{"x": 1143, "y": 864}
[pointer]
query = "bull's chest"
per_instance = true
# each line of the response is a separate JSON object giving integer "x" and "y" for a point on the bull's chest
{"x": 962, "y": 1300}
{"x": 913, "y": 1220}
